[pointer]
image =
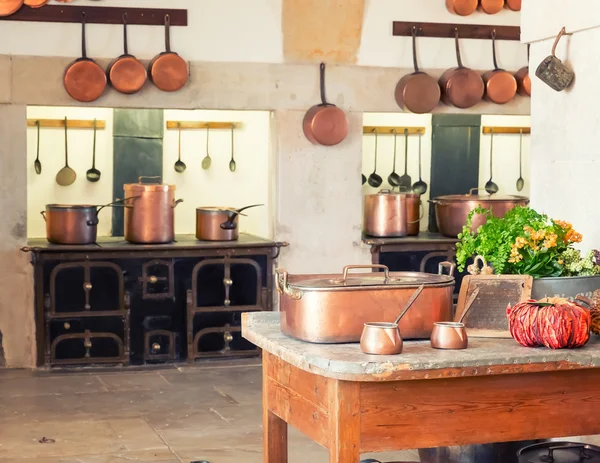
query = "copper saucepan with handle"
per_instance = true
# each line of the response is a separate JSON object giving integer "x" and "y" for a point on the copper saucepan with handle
{"x": 8, "y": 7}
{"x": 461, "y": 87}
{"x": 523, "y": 79}
{"x": 325, "y": 123}
{"x": 462, "y": 7}
{"x": 491, "y": 6}
{"x": 219, "y": 223}
{"x": 126, "y": 74}
{"x": 418, "y": 92}
{"x": 500, "y": 85}
{"x": 168, "y": 71}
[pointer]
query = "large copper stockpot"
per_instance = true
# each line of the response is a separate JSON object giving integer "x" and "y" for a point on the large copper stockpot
{"x": 149, "y": 212}
{"x": 385, "y": 214}
{"x": 451, "y": 211}
{"x": 218, "y": 223}
{"x": 333, "y": 308}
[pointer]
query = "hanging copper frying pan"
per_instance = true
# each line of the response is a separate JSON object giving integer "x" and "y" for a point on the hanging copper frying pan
{"x": 462, "y": 7}
{"x": 418, "y": 92}
{"x": 84, "y": 79}
{"x": 514, "y": 5}
{"x": 523, "y": 79}
{"x": 325, "y": 123}
{"x": 491, "y": 6}
{"x": 35, "y": 3}
{"x": 168, "y": 71}
{"x": 126, "y": 74}
{"x": 461, "y": 87}
{"x": 8, "y": 7}
{"x": 500, "y": 85}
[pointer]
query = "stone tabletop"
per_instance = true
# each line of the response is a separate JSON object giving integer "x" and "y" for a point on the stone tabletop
{"x": 418, "y": 360}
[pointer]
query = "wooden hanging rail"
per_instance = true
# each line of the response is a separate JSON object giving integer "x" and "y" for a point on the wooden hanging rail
{"x": 448, "y": 31}
{"x": 202, "y": 125}
{"x": 99, "y": 15}
{"x": 390, "y": 130}
{"x": 71, "y": 123}
{"x": 505, "y": 130}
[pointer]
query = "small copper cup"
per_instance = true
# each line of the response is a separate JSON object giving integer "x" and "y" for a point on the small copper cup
{"x": 449, "y": 335}
{"x": 381, "y": 339}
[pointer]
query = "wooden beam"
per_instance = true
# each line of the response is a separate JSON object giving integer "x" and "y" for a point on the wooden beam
{"x": 390, "y": 130}
{"x": 202, "y": 125}
{"x": 448, "y": 31}
{"x": 71, "y": 123}
{"x": 506, "y": 130}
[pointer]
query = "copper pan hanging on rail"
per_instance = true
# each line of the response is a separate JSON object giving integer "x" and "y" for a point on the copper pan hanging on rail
{"x": 462, "y": 7}
{"x": 514, "y": 5}
{"x": 418, "y": 92}
{"x": 461, "y": 87}
{"x": 84, "y": 79}
{"x": 500, "y": 85}
{"x": 523, "y": 79}
{"x": 8, "y": 7}
{"x": 325, "y": 123}
{"x": 126, "y": 74}
{"x": 35, "y": 3}
{"x": 168, "y": 71}
{"x": 491, "y": 6}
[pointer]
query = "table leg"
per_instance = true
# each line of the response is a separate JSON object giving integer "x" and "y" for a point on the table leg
{"x": 275, "y": 438}
{"x": 344, "y": 422}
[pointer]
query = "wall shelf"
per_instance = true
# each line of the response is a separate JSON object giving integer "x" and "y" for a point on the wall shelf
{"x": 184, "y": 125}
{"x": 71, "y": 123}
{"x": 390, "y": 130}
{"x": 448, "y": 31}
{"x": 506, "y": 130}
{"x": 99, "y": 15}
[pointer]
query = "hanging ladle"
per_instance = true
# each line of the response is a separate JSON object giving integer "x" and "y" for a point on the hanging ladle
{"x": 232, "y": 164}
{"x": 66, "y": 176}
{"x": 179, "y": 164}
{"x": 374, "y": 179}
{"x": 520, "y": 180}
{"x": 420, "y": 187}
{"x": 490, "y": 186}
{"x": 206, "y": 162}
{"x": 383, "y": 338}
{"x": 93, "y": 174}
{"x": 394, "y": 178}
{"x": 37, "y": 165}
{"x": 405, "y": 181}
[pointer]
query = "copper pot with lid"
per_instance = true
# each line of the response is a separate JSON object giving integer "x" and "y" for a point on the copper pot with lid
{"x": 149, "y": 212}
{"x": 452, "y": 211}
{"x": 385, "y": 214}
{"x": 461, "y": 87}
{"x": 500, "y": 85}
{"x": 219, "y": 223}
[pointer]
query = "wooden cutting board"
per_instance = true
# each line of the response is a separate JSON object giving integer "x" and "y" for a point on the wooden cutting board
{"x": 487, "y": 317}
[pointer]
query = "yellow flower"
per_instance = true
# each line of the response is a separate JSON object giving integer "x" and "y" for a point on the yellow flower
{"x": 550, "y": 240}
{"x": 573, "y": 237}
{"x": 564, "y": 225}
{"x": 560, "y": 261}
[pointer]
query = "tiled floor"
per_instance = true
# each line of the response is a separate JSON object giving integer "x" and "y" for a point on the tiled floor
{"x": 168, "y": 415}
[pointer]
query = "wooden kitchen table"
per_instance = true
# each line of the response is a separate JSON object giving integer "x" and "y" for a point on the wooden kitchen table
{"x": 352, "y": 403}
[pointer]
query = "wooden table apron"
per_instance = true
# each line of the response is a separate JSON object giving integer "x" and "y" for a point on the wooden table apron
{"x": 452, "y": 408}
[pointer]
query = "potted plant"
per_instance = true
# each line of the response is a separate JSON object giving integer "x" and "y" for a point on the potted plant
{"x": 529, "y": 243}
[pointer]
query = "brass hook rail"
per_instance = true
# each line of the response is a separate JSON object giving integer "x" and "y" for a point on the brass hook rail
{"x": 380, "y": 130}
{"x": 202, "y": 125}
{"x": 506, "y": 130}
{"x": 448, "y": 31}
{"x": 71, "y": 123}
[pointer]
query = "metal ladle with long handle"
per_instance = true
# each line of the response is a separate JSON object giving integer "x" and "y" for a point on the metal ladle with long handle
{"x": 37, "y": 165}
{"x": 490, "y": 186}
{"x": 420, "y": 187}
{"x": 374, "y": 179}
{"x": 232, "y": 164}
{"x": 66, "y": 176}
{"x": 394, "y": 178}
{"x": 93, "y": 174}
{"x": 206, "y": 162}
{"x": 405, "y": 181}
{"x": 179, "y": 164}
{"x": 520, "y": 180}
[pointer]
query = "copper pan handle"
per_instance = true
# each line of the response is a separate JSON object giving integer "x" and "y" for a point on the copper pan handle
{"x": 471, "y": 190}
{"x": 449, "y": 265}
{"x": 140, "y": 179}
{"x": 175, "y": 203}
{"x": 281, "y": 283}
{"x": 43, "y": 215}
{"x": 421, "y": 212}
{"x": 385, "y": 268}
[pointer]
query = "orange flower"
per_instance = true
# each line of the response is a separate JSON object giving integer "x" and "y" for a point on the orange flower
{"x": 550, "y": 240}
{"x": 563, "y": 224}
{"x": 573, "y": 237}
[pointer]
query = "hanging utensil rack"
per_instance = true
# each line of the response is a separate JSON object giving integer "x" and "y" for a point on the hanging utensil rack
{"x": 448, "y": 30}
{"x": 71, "y": 123}
{"x": 100, "y": 15}
{"x": 176, "y": 125}
{"x": 506, "y": 130}
{"x": 391, "y": 130}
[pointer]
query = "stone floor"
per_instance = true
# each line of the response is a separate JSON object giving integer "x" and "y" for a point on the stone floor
{"x": 168, "y": 415}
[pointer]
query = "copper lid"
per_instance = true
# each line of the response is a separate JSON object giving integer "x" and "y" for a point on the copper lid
{"x": 141, "y": 186}
{"x": 374, "y": 281}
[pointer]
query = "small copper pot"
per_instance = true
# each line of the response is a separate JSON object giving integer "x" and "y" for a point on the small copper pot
{"x": 385, "y": 214}
{"x": 381, "y": 339}
{"x": 449, "y": 335}
{"x": 218, "y": 223}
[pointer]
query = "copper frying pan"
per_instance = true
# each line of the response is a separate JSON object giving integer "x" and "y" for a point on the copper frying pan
{"x": 523, "y": 79}
{"x": 491, "y": 6}
{"x": 168, "y": 71}
{"x": 126, "y": 74}
{"x": 418, "y": 92}
{"x": 500, "y": 85}
{"x": 461, "y": 87}
{"x": 462, "y": 7}
{"x": 84, "y": 79}
{"x": 325, "y": 123}
{"x": 514, "y": 5}
{"x": 8, "y": 7}
{"x": 35, "y": 3}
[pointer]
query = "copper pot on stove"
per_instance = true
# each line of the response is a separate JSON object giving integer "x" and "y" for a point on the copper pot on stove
{"x": 385, "y": 214}
{"x": 219, "y": 223}
{"x": 149, "y": 212}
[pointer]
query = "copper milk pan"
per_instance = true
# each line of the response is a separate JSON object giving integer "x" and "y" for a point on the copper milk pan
{"x": 523, "y": 79}
{"x": 333, "y": 308}
{"x": 168, "y": 71}
{"x": 325, "y": 123}
{"x": 453, "y": 335}
{"x": 381, "y": 338}
{"x": 461, "y": 86}
{"x": 84, "y": 79}
{"x": 418, "y": 92}
{"x": 126, "y": 74}
{"x": 500, "y": 85}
